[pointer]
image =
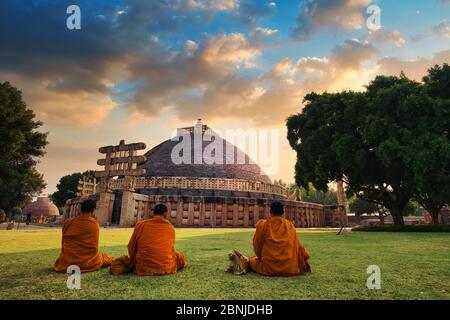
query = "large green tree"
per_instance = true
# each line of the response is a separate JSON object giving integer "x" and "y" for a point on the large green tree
{"x": 67, "y": 187}
{"x": 21, "y": 144}
{"x": 430, "y": 159}
{"x": 366, "y": 139}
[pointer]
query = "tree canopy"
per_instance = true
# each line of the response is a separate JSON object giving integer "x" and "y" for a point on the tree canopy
{"x": 21, "y": 145}
{"x": 311, "y": 194}
{"x": 68, "y": 186}
{"x": 377, "y": 141}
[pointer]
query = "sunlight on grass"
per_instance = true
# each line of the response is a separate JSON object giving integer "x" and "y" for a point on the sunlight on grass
{"x": 413, "y": 266}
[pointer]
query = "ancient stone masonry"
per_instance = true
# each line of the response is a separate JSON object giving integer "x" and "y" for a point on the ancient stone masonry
{"x": 443, "y": 216}
{"x": 86, "y": 187}
{"x": 219, "y": 212}
{"x": 200, "y": 195}
{"x": 41, "y": 211}
{"x": 121, "y": 160}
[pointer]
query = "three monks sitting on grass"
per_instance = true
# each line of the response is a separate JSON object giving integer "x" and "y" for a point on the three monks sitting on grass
{"x": 278, "y": 251}
{"x": 80, "y": 237}
{"x": 151, "y": 248}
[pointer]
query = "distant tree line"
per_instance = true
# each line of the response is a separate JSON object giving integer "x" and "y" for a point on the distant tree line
{"x": 311, "y": 194}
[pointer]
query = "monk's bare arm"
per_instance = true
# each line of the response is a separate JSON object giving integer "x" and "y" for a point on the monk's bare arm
{"x": 132, "y": 244}
{"x": 258, "y": 238}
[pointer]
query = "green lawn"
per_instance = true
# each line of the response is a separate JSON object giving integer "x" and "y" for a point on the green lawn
{"x": 413, "y": 266}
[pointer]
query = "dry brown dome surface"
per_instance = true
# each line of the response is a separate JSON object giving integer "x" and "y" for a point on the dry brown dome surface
{"x": 159, "y": 163}
{"x": 42, "y": 206}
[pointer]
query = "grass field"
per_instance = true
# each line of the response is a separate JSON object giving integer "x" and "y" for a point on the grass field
{"x": 413, "y": 266}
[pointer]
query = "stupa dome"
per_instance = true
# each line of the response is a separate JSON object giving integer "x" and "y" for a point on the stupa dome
{"x": 41, "y": 207}
{"x": 159, "y": 163}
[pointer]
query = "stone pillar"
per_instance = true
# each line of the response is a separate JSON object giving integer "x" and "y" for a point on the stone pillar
{"x": 179, "y": 219}
{"x": 213, "y": 217}
{"x": 104, "y": 208}
{"x": 255, "y": 214}
{"x": 235, "y": 214}
{"x": 127, "y": 210}
{"x": 201, "y": 220}
{"x": 224, "y": 214}
{"x": 246, "y": 215}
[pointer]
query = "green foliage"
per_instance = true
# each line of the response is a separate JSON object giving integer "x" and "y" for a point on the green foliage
{"x": 67, "y": 187}
{"x": 16, "y": 211}
{"x": 361, "y": 206}
{"x": 388, "y": 144}
{"x": 430, "y": 161}
{"x": 315, "y": 196}
{"x": 412, "y": 208}
{"x": 311, "y": 194}
{"x": 21, "y": 145}
{"x": 438, "y": 81}
{"x": 405, "y": 228}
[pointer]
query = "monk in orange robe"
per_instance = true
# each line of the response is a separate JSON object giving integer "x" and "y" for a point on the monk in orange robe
{"x": 80, "y": 237}
{"x": 151, "y": 247}
{"x": 278, "y": 251}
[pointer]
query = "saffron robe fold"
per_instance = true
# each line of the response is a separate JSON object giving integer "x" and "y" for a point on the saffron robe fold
{"x": 277, "y": 249}
{"x": 80, "y": 236}
{"x": 151, "y": 248}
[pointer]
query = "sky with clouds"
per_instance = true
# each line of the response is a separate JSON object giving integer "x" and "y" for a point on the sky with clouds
{"x": 139, "y": 69}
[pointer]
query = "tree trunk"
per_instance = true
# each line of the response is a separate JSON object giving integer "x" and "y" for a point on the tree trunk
{"x": 398, "y": 218}
{"x": 435, "y": 216}
{"x": 381, "y": 216}
{"x": 396, "y": 210}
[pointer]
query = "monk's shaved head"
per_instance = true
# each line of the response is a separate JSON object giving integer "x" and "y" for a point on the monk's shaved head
{"x": 160, "y": 209}
{"x": 88, "y": 206}
{"x": 276, "y": 208}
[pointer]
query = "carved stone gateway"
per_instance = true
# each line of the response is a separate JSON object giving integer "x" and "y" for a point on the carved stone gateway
{"x": 86, "y": 187}
{"x": 122, "y": 161}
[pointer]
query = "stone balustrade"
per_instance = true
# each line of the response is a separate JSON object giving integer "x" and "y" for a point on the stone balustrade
{"x": 202, "y": 183}
{"x": 211, "y": 212}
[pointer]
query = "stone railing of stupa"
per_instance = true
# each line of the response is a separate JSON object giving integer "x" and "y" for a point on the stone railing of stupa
{"x": 200, "y": 183}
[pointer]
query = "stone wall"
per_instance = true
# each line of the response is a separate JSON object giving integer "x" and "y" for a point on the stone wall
{"x": 443, "y": 217}
{"x": 213, "y": 212}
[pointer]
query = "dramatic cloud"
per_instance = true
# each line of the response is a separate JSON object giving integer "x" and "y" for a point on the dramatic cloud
{"x": 268, "y": 98}
{"x": 264, "y": 32}
{"x": 71, "y": 75}
{"x": 381, "y": 35}
{"x": 173, "y": 78}
{"x": 219, "y": 5}
{"x": 339, "y": 14}
{"x": 442, "y": 29}
{"x": 252, "y": 10}
{"x": 414, "y": 69}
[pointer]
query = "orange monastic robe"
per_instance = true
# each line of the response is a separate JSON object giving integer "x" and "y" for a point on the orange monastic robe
{"x": 151, "y": 248}
{"x": 278, "y": 251}
{"x": 80, "y": 245}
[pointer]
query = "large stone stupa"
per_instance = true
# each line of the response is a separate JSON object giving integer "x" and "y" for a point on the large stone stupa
{"x": 224, "y": 194}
